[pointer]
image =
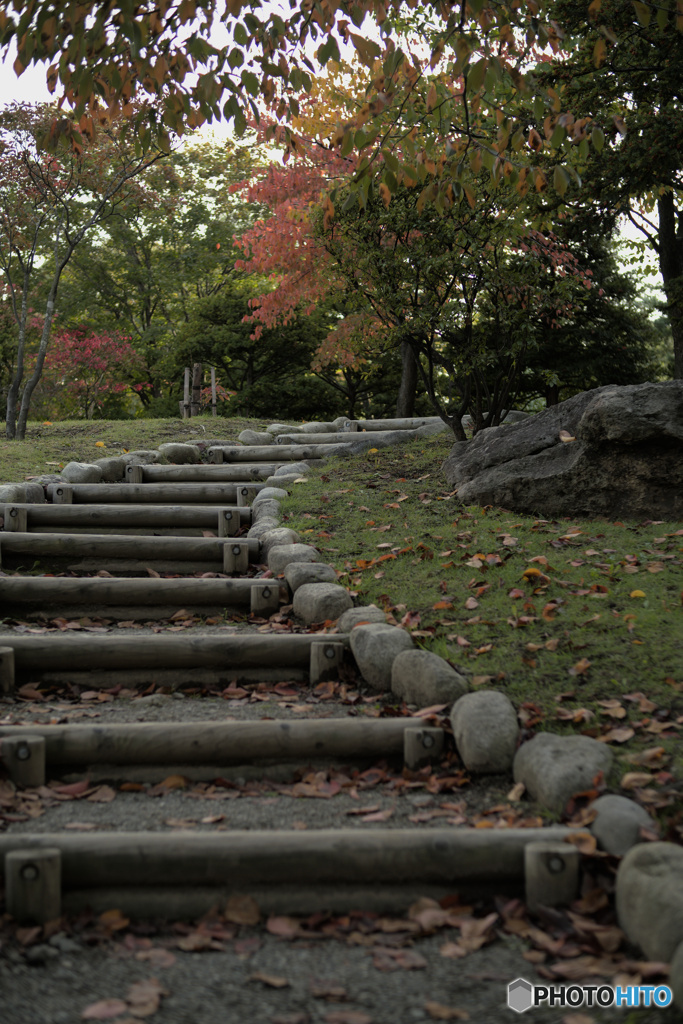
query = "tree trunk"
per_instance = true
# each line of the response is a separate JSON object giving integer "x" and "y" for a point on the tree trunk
{"x": 31, "y": 383}
{"x": 405, "y": 403}
{"x": 671, "y": 269}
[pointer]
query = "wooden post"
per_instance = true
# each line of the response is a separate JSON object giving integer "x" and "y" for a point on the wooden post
{"x": 246, "y": 495}
{"x": 214, "y": 406}
{"x": 551, "y": 874}
{"x": 94, "y": 545}
{"x": 156, "y": 494}
{"x": 265, "y": 598}
{"x": 46, "y": 592}
{"x": 134, "y": 474}
{"x": 6, "y": 671}
{"x": 228, "y": 522}
{"x": 195, "y": 405}
{"x": 16, "y": 519}
{"x": 332, "y": 855}
{"x": 33, "y": 884}
{"x": 186, "y": 394}
{"x": 420, "y": 746}
{"x": 62, "y": 494}
{"x": 119, "y": 518}
{"x": 235, "y": 556}
{"x": 326, "y": 657}
{"x": 24, "y": 759}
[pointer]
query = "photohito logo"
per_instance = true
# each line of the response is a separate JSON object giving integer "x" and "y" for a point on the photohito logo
{"x": 522, "y": 995}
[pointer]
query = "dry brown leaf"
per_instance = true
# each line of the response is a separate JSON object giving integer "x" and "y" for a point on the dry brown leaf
{"x": 437, "y": 1011}
{"x": 144, "y": 996}
{"x": 242, "y": 910}
{"x": 347, "y": 1017}
{"x": 635, "y": 780}
{"x": 271, "y": 980}
{"x": 104, "y": 1009}
{"x": 157, "y": 957}
{"x": 321, "y": 988}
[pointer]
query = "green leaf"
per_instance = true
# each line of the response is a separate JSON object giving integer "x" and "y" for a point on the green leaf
{"x": 598, "y": 139}
{"x": 539, "y": 108}
{"x": 643, "y": 13}
{"x": 329, "y": 50}
{"x": 240, "y": 34}
{"x": 236, "y": 58}
{"x": 250, "y": 82}
{"x": 390, "y": 160}
{"x": 560, "y": 180}
{"x": 476, "y": 74}
{"x": 347, "y": 143}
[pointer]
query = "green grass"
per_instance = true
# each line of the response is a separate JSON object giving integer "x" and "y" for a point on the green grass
{"x": 51, "y": 445}
{"x": 571, "y": 643}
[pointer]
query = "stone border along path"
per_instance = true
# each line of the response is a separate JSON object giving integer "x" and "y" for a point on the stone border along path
{"x": 383, "y": 869}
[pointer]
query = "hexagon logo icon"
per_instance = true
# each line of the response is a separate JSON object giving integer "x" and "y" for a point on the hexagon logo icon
{"x": 520, "y": 995}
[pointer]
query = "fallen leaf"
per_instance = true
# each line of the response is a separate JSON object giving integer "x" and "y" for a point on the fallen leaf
{"x": 271, "y": 980}
{"x": 385, "y": 958}
{"x": 580, "y": 668}
{"x": 157, "y": 957}
{"x": 323, "y": 989}
{"x": 437, "y": 1011}
{"x": 347, "y": 1017}
{"x": 566, "y": 437}
{"x": 104, "y": 1009}
{"x": 113, "y": 920}
{"x": 285, "y": 927}
{"x": 144, "y": 996}
{"x": 242, "y": 910}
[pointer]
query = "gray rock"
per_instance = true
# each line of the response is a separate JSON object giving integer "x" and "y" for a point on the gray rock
{"x": 618, "y": 823}
{"x": 423, "y": 678}
{"x": 315, "y": 428}
{"x": 355, "y": 616}
{"x": 553, "y": 768}
{"x": 676, "y": 976}
{"x": 255, "y": 437}
{"x": 143, "y": 457}
{"x": 179, "y": 453}
{"x": 281, "y": 428}
{"x": 281, "y": 555}
{"x": 649, "y": 898}
{"x": 33, "y": 492}
{"x": 624, "y": 460}
{"x": 11, "y": 492}
{"x": 82, "y": 473}
{"x": 271, "y": 492}
{"x": 276, "y": 536}
{"x": 374, "y": 647}
{"x": 485, "y": 730}
{"x": 113, "y": 469}
{"x": 263, "y": 526}
{"x": 284, "y": 480}
{"x": 320, "y": 602}
{"x": 299, "y": 574}
{"x": 41, "y": 953}
{"x": 268, "y": 508}
{"x": 64, "y": 944}
{"x": 298, "y": 468}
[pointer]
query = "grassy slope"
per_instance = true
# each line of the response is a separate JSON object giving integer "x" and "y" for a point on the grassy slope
{"x": 570, "y": 642}
{"x": 49, "y": 445}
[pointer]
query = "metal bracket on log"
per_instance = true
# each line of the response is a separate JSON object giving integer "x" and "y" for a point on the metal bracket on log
{"x": 265, "y": 598}
{"x": 235, "y": 556}
{"x": 15, "y": 519}
{"x": 134, "y": 475}
{"x": 420, "y": 746}
{"x": 551, "y": 874}
{"x": 326, "y": 657}
{"x": 229, "y": 521}
{"x": 246, "y": 495}
{"x": 33, "y": 885}
{"x": 62, "y": 494}
{"x": 24, "y": 759}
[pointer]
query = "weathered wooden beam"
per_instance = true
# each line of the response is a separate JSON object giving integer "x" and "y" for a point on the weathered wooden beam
{"x": 215, "y": 742}
{"x": 159, "y": 494}
{"x": 205, "y": 517}
{"x": 209, "y": 550}
{"x": 174, "y": 679}
{"x": 92, "y": 651}
{"x": 407, "y": 423}
{"x": 279, "y": 452}
{"x": 90, "y": 860}
{"x": 51, "y": 591}
{"x": 204, "y": 474}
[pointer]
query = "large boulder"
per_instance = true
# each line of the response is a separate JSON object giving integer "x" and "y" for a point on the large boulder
{"x": 613, "y": 451}
{"x": 649, "y": 898}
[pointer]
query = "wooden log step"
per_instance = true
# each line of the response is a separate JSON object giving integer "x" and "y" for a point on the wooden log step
{"x": 346, "y": 437}
{"x": 174, "y": 679}
{"x": 148, "y": 494}
{"x": 407, "y": 423}
{"x": 207, "y": 552}
{"x": 310, "y": 453}
{"x": 208, "y": 743}
{"x": 207, "y": 474}
{"x": 322, "y": 856}
{"x": 46, "y": 516}
{"x": 70, "y": 653}
{"x": 18, "y": 593}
